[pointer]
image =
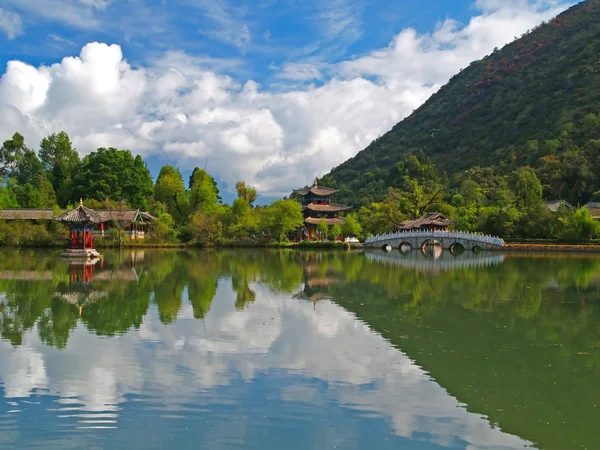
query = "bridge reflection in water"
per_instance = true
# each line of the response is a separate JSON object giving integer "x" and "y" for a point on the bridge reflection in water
{"x": 436, "y": 260}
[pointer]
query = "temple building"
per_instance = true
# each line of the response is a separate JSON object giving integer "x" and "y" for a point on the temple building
{"x": 431, "y": 221}
{"x": 317, "y": 207}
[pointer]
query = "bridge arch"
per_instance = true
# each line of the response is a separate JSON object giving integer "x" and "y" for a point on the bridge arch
{"x": 477, "y": 249}
{"x": 386, "y": 247}
{"x": 429, "y": 241}
{"x": 456, "y": 248}
{"x": 405, "y": 247}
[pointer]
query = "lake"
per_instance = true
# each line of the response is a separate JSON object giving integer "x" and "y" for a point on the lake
{"x": 274, "y": 349}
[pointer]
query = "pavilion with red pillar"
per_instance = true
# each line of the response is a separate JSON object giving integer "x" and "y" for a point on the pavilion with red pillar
{"x": 81, "y": 222}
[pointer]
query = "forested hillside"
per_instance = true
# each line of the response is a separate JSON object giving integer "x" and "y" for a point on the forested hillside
{"x": 536, "y": 102}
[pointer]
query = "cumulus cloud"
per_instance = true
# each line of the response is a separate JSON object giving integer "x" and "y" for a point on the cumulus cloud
{"x": 277, "y": 139}
{"x": 10, "y": 23}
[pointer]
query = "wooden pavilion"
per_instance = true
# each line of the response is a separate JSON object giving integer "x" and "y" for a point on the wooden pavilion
{"x": 317, "y": 208}
{"x": 81, "y": 222}
{"x": 431, "y": 221}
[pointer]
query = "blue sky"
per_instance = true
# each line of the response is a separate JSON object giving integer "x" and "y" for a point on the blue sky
{"x": 252, "y": 38}
{"x": 274, "y": 92}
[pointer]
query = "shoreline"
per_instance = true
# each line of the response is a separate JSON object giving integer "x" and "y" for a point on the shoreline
{"x": 511, "y": 248}
{"x": 550, "y": 247}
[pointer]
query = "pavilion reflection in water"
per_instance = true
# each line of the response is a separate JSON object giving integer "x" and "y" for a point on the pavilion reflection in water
{"x": 319, "y": 277}
{"x": 84, "y": 288}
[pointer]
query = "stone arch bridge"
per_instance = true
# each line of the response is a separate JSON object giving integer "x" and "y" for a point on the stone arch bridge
{"x": 449, "y": 240}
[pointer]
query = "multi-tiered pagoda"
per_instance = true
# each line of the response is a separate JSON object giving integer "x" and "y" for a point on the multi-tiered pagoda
{"x": 317, "y": 208}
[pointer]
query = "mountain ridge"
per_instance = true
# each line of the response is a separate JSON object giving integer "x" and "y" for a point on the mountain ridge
{"x": 504, "y": 110}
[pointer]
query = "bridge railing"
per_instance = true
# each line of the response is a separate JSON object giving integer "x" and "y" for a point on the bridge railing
{"x": 478, "y": 237}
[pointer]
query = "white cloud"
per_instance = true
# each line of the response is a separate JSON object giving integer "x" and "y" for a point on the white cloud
{"x": 10, "y": 23}
{"x": 187, "y": 108}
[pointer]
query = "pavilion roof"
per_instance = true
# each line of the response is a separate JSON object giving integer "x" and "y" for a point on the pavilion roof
{"x": 320, "y": 191}
{"x": 124, "y": 215}
{"x": 429, "y": 219}
{"x": 81, "y": 214}
{"x": 26, "y": 214}
{"x": 327, "y": 208}
{"x": 327, "y": 220}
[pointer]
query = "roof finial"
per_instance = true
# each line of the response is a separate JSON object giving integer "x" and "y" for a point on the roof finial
{"x": 316, "y": 182}
{"x": 80, "y": 201}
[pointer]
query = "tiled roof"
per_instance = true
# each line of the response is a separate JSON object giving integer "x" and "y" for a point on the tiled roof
{"x": 321, "y": 191}
{"x": 328, "y": 221}
{"x": 327, "y": 208}
{"x": 429, "y": 219}
{"x": 26, "y": 214}
{"x": 81, "y": 214}
{"x": 594, "y": 208}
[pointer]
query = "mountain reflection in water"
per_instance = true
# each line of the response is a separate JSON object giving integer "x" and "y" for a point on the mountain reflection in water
{"x": 287, "y": 349}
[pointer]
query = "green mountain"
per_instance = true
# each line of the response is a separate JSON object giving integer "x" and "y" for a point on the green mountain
{"x": 537, "y": 96}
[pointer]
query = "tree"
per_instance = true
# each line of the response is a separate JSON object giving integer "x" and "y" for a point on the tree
{"x": 351, "y": 226}
{"x": 11, "y": 153}
{"x": 376, "y": 218}
{"x": 7, "y": 198}
{"x": 115, "y": 174}
{"x": 140, "y": 189}
{"x": 163, "y": 228}
{"x": 283, "y": 216}
{"x": 528, "y": 189}
{"x": 246, "y": 220}
{"x": 169, "y": 190}
{"x": 60, "y": 161}
{"x": 323, "y": 229}
{"x": 28, "y": 167}
{"x": 335, "y": 232}
{"x": 246, "y": 192}
{"x": 203, "y": 192}
{"x": 581, "y": 226}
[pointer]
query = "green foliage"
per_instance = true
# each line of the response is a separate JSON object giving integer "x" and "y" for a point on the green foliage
{"x": 351, "y": 226}
{"x": 528, "y": 189}
{"x": 203, "y": 192}
{"x": 581, "y": 226}
{"x": 282, "y": 217}
{"x": 60, "y": 161}
{"x": 169, "y": 190}
{"x": 114, "y": 174}
{"x": 323, "y": 228}
{"x": 335, "y": 231}
{"x": 11, "y": 153}
{"x": 29, "y": 234}
{"x": 246, "y": 192}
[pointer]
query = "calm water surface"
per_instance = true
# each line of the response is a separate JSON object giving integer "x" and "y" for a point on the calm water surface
{"x": 298, "y": 350}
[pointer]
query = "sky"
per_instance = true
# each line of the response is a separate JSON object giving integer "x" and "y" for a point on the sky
{"x": 272, "y": 92}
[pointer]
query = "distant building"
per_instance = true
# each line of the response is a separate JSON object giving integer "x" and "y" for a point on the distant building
{"x": 317, "y": 207}
{"x": 26, "y": 214}
{"x": 432, "y": 221}
{"x": 594, "y": 208}
{"x": 555, "y": 205}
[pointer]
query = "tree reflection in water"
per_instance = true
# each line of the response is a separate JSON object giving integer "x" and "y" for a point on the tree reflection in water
{"x": 516, "y": 338}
